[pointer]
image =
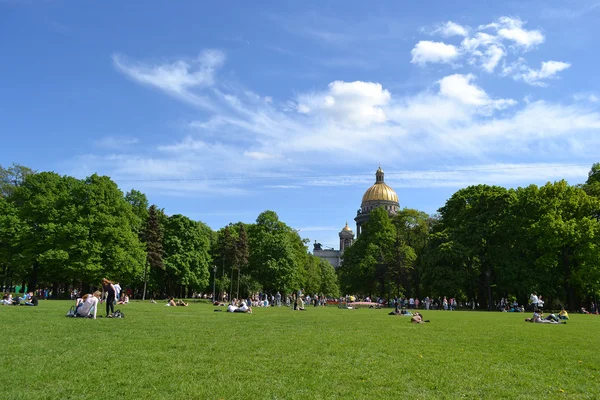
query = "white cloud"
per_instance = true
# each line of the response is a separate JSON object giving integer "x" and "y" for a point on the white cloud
{"x": 352, "y": 102}
{"x": 260, "y": 155}
{"x": 433, "y": 52}
{"x": 479, "y": 39}
{"x": 548, "y": 70}
{"x": 492, "y": 56}
{"x": 178, "y": 77}
{"x": 347, "y": 124}
{"x": 461, "y": 88}
{"x": 487, "y": 47}
{"x": 512, "y": 29}
{"x": 114, "y": 142}
{"x": 283, "y": 186}
{"x": 588, "y": 97}
{"x": 451, "y": 29}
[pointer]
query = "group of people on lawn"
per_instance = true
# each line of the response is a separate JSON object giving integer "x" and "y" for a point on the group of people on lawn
{"x": 538, "y": 312}
{"x": 87, "y": 305}
{"x": 28, "y": 299}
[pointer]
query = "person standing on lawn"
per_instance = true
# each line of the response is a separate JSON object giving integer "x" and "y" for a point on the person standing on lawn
{"x": 117, "y": 291}
{"x": 534, "y": 301}
{"x": 110, "y": 290}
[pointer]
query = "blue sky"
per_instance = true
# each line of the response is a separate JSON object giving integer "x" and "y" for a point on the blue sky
{"x": 220, "y": 112}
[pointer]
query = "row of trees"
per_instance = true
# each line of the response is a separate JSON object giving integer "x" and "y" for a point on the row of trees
{"x": 62, "y": 232}
{"x": 487, "y": 242}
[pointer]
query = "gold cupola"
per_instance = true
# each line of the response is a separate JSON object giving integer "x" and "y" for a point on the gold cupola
{"x": 380, "y": 191}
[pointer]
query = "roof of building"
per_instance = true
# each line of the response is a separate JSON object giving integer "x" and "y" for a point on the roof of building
{"x": 380, "y": 191}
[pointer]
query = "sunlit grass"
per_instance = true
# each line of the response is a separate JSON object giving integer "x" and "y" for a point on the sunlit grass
{"x": 159, "y": 352}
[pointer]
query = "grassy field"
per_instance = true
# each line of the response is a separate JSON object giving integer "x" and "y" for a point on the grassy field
{"x": 159, "y": 352}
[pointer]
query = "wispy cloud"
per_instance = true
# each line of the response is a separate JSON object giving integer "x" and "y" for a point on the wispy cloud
{"x": 578, "y": 10}
{"x": 178, "y": 77}
{"x": 116, "y": 143}
{"x": 249, "y": 135}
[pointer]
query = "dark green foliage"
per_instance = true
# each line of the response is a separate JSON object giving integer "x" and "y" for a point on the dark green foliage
{"x": 187, "y": 258}
{"x": 153, "y": 237}
{"x": 276, "y": 254}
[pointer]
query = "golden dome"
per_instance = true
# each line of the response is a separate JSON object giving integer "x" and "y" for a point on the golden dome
{"x": 380, "y": 191}
{"x": 346, "y": 228}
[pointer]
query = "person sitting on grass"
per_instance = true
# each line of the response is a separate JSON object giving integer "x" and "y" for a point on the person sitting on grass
{"x": 244, "y": 308}
{"x": 124, "y": 299}
{"x": 396, "y": 310}
{"x": 87, "y": 306}
{"x": 405, "y": 312}
{"x": 181, "y": 303}
{"x": 563, "y": 314}
{"x": 171, "y": 302}
{"x": 32, "y": 301}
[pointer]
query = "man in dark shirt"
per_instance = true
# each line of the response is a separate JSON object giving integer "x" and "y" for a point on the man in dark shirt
{"x": 33, "y": 301}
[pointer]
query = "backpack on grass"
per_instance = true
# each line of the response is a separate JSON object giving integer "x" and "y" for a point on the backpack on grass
{"x": 71, "y": 313}
{"x": 118, "y": 314}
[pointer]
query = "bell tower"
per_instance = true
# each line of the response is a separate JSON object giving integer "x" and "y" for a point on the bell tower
{"x": 346, "y": 238}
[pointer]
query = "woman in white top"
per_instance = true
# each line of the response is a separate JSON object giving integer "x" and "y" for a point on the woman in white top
{"x": 89, "y": 306}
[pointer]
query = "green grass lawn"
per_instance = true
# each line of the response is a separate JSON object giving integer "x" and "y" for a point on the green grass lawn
{"x": 159, "y": 352}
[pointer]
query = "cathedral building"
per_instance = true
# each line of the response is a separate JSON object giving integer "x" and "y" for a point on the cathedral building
{"x": 378, "y": 195}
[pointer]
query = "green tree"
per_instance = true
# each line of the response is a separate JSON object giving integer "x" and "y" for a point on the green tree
{"x": 472, "y": 221}
{"x": 567, "y": 233}
{"x": 12, "y": 177}
{"x": 139, "y": 206}
{"x": 187, "y": 255}
{"x": 329, "y": 280}
{"x": 153, "y": 239}
{"x": 10, "y": 233}
{"x": 224, "y": 256}
{"x": 48, "y": 214}
{"x": 276, "y": 254}
{"x": 366, "y": 264}
{"x": 241, "y": 252}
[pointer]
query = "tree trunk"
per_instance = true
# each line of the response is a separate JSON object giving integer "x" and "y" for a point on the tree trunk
{"x": 54, "y": 290}
{"x": 33, "y": 276}
{"x": 488, "y": 275}
{"x": 568, "y": 289}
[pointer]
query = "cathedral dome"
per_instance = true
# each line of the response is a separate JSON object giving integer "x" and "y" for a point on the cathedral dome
{"x": 380, "y": 191}
{"x": 346, "y": 228}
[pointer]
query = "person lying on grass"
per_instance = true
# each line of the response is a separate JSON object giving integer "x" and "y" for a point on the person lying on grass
{"x": 171, "y": 302}
{"x": 7, "y": 300}
{"x": 243, "y": 308}
{"x": 538, "y": 318}
{"x": 417, "y": 318}
{"x": 87, "y": 305}
{"x": 181, "y": 303}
